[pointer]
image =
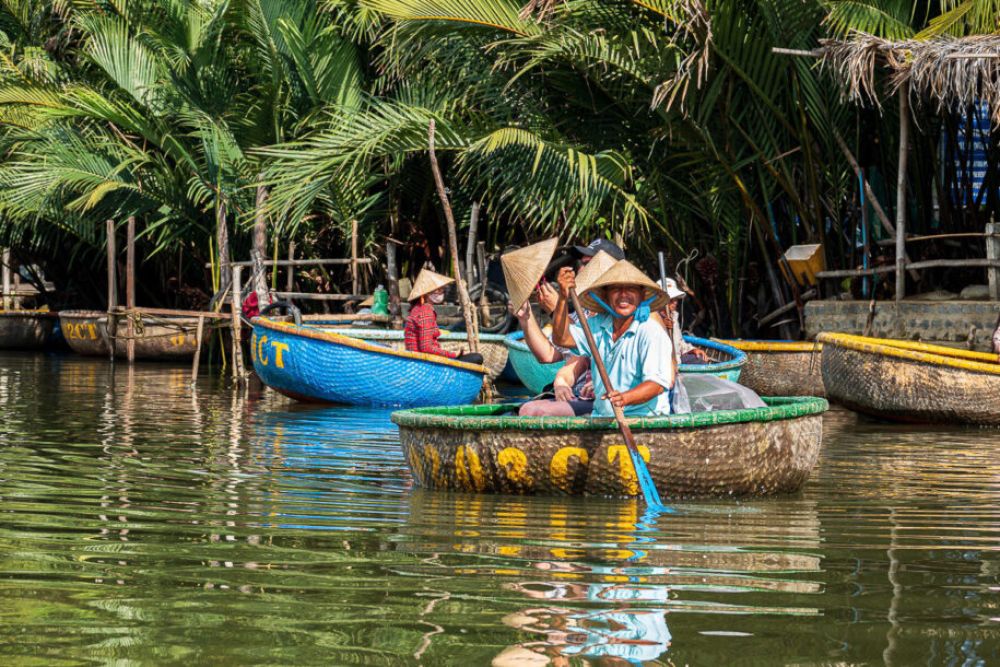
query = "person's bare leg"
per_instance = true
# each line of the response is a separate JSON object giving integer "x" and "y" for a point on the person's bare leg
{"x": 546, "y": 408}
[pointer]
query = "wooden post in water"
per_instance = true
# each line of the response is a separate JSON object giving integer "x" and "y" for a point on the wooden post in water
{"x": 197, "y": 349}
{"x": 392, "y": 278}
{"x": 222, "y": 244}
{"x": 291, "y": 269}
{"x": 237, "y": 322}
{"x": 354, "y": 257}
{"x": 904, "y": 140}
{"x": 130, "y": 289}
{"x": 260, "y": 247}
{"x": 472, "y": 331}
{"x": 993, "y": 252}
{"x": 112, "y": 288}
{"x": 6, "y": 278}
{"x": 470, "y": 246}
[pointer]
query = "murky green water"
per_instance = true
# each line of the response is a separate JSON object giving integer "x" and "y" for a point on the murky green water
{"x": 141, "y": 522}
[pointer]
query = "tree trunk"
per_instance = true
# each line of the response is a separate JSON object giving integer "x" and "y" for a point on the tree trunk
{"x": 260, "y": 247}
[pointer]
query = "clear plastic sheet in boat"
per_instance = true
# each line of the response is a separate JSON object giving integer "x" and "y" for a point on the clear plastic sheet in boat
{"x": 700, "y": 392}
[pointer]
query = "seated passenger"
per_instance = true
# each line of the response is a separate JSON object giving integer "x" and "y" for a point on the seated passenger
{"x": 421, "y": 330}
{"x": 685, "y": 352}
{"x": 636, "y": 350}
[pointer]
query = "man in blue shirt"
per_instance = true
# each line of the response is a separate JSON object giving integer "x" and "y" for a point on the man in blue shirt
{"x": 637, "y": 352}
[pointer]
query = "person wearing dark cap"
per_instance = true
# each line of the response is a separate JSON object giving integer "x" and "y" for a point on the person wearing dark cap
{"x": 587, "y": 252}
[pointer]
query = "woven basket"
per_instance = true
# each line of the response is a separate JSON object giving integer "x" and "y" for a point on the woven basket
{"x": 491, "y": 346}
{"x": 157, "y": 338}
{"x": 313, "y": 365}
{"x": 913, "y": 382}
{"x": 25, "y": 329}
{"x": 482, "y": 448}
{"x": 778, "y": 368}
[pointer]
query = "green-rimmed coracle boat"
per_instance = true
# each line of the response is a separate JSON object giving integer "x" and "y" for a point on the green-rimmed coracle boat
{"x": 484, "y": 448}
{"x": 781, "y": 368}
{"x": 907, "y": 381}
{"x": 26, "y": 329}
{"x": 724, "y": 361}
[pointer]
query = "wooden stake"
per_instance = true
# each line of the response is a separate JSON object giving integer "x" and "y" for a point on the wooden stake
{"x": 197, "y": 349}
{"x": 291, "y": 269}
{"x": 354, "y": 256}
{"x": 904, "y": 140}
{"x": 130, "y": 288}
{"x": 237, "y": 328}
{"x": 392, "y": 277}
{"x": 463, "y": 293}
{"x": 222, "y": 243}
{"x": 470, "y": 246}
{"x": 6, "y": 278}
{"x": 112, "y": 288}
{"x": 260, "y": 246}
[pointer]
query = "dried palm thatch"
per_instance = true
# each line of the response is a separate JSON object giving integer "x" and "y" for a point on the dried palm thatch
{"x": 952, "y": 73}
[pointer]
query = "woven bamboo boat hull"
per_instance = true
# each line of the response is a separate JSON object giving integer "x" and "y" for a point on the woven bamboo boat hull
{"x": 163, "y": 338}
{"x": 491, "y": 346}
{"x": 777, "y": 368}
{"x": 726, "y": 362}
{"x": 317, "y": 365}
{"x": 25, "y": 329}
{"x": 911, "y": 382}
{"x": 756, "y": 452}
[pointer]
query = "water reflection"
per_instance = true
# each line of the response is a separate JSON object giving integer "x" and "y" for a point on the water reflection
{"x": 145, "y": 520}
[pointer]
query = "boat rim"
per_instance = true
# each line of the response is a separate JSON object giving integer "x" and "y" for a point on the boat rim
{"x": 772, "y": 345}
{"x": 392, "y": 334}
{"x": 28, "y": 313}
{"x": 491, "y": 417}
{"x": 936, "y": 355}
{"x": 316, "y": 333}
{"x": 739, "y": 357}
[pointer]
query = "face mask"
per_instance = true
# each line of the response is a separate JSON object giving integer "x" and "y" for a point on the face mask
{"x": 436, "y": 297}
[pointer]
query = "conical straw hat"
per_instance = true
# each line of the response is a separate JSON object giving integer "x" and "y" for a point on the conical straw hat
{"x": 593, "y": 270}
{"x": 624, "y": 273}
{"x": 524, "y": 268}
{"x": 427, "y": 282}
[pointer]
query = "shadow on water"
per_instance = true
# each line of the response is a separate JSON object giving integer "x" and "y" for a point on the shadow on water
{"x": 145, "y": 521}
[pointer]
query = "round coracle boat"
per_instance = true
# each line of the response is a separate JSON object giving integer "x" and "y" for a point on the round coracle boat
{"x": 491, "y": 346}
{"x": 484, "y": 448}
{"x": 25, "y": 329}
{"x": 913, "y": 382}
{"x": 157, "y": 338}
{"x": 725, "y": 362}
{"x": 781, "y": 368}
{"x": 323, "y": 366}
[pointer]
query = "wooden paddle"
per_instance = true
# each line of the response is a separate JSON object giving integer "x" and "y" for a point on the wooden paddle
{"x": 649, "y": 492}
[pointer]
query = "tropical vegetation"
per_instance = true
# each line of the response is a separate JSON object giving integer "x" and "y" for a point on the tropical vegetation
{"x": 669, "y": 124}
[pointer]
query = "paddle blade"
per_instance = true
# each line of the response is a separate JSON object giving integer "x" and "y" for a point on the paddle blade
{"x": 649, "y": 492}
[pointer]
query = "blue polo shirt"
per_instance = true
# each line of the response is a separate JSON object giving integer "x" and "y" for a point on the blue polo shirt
{"x": 642, "y": 353}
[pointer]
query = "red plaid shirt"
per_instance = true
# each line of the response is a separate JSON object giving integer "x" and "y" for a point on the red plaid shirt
{"x": 422, "y": 331}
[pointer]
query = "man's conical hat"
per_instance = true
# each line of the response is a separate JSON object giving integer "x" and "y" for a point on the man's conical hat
{"x": 523, "y": 268}
{"x": 625, "y": 273}
{"x": 427, "y": 282}
{"x": 593, "y": 270}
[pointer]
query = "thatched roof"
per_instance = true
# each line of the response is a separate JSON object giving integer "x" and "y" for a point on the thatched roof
{"x": 949, "y": 72}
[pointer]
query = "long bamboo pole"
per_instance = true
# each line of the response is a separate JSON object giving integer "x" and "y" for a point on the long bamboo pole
{"x": 6, "y": 278}
{"x": 260, "y": 246}
{"x": 129, "y": 289}
{"x": 112, "y": 288}
{"x": 904, "y": 140}
{"x": 649, "y": 492}
{"x": 472, "y": 331}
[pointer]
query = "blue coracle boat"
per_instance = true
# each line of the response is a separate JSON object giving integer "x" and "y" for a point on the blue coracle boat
{"x": 726, "y": 362}
{"x": 315, "y": 365}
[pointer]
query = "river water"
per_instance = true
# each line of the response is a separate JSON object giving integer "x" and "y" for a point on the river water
{"x": 146, "y": 522}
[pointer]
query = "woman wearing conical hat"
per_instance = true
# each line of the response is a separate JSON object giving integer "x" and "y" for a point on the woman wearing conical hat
{"x": 637, "y": 351}
{"x": 421, "y": 330}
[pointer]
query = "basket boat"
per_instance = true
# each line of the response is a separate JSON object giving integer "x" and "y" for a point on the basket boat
{"x": 26, "y": 329}
{"x": 157, "y": 338}
{"x": 726, "y": 362}
{"x": 481, "y": 448}
{"x": 912, "y": 382}
{"x": 491, "y": 346}
{"x": 322, "y": 366}
{"x": 781, "y": 368}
